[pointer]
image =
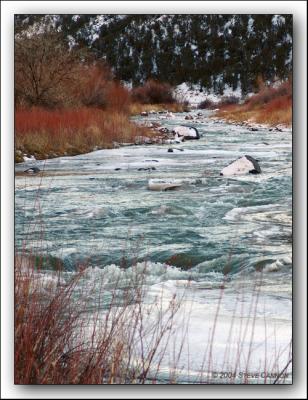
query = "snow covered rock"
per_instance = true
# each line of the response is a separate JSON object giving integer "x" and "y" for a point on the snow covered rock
{"x": 143, "y": 140}
{"x": 32, "y": 170}
{"x": 26, "y": 158}
{"x": 188, "y": 132}
{"x": 241, "y": 166}
{"x": 170, "y": 115}
{"x": 173, "y": 184}
{"x": 163, "y": 185}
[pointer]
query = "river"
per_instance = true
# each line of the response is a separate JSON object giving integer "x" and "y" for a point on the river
{"x": 228, "y": 238}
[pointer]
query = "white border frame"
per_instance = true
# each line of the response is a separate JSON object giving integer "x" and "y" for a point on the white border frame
{"x": 299, "y": 11}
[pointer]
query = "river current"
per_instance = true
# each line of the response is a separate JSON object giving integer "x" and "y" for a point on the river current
{"x": 96, "y": 209}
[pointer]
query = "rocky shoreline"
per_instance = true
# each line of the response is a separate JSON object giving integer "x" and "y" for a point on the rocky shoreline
{"x": 160, "y": 135}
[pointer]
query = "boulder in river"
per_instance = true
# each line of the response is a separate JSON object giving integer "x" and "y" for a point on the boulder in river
{"x": 147, "y": 169}
{"x": 178, "y": 139}
{"x": 188, "y": 132}
{"x": 142, "y": 140}
{"x": 241, "y": 166}
{"x": 163, "y": 185}
{"x": 32, "y": 170}
{"x": 169, "y": 114}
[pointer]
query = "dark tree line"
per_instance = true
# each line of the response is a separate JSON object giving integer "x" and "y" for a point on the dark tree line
{"x": 212, "y": 50}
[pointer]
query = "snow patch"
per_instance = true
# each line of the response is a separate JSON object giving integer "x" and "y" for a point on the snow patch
{"x": 194, "y": 96}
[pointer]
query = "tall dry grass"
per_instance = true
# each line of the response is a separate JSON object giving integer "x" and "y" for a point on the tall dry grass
{"x": 137, "y": 108}
{"x": 271, "y": 105}
{"x": 49, "y": 133}
{"x": 59, "y": 340}
{"x": 62, "y": 337}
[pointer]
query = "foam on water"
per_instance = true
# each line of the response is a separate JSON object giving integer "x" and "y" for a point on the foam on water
{"x": 213, "y": 232}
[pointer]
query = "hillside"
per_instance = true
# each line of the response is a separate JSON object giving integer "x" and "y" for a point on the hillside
{"x": 209, "y": 50}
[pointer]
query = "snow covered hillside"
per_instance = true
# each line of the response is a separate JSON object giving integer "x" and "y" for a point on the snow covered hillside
{"x": 214, "y": 52}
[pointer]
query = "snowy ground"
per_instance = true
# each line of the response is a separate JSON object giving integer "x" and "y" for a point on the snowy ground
{"x": 192, "y": 94}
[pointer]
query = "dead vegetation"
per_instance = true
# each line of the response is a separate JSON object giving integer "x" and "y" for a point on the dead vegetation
{"x": 271, "y": 105}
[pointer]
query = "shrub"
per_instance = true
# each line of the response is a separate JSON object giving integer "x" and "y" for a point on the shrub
{"x": 94, "y": 85}
{"x": 272, "y": 105}
{"x": 228, "y": 100}
{"x": 45, "y": 70}
{"x": 153, "y": 92}
{"x": 118, "y": 98}
{"x": 206, "y": 104}
{"x": 40, "y": 131}
{"x": 57, "y": 341}
{"x": 97, "y": 88}
{"x": 49, "y": 74}
{"x": 269, "y": 93}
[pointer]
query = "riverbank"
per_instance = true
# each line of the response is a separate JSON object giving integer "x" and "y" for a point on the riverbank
{"x": 271, "y": 106}
{"x": 43, "y": 134}
{"x": 138, "y": 108}
{"x": 117, "y": 332}
{"x": 95, "y": 211}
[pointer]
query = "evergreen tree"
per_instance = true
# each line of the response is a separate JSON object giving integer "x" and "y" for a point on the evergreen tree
{"x": 212, "y": 50}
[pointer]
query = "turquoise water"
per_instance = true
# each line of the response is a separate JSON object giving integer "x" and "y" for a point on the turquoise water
{"x": 85, "y": 211}
{"x": 213, "y": 230}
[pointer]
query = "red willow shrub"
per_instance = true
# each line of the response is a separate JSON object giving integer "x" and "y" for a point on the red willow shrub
{"x": 119, "y": 98}
{"x": 153, "y": 92}
{"x": 48, "y": 74}
{"x": 94, "y": 81}
{"x": 268, "y": 94}
{"x": 57, "y": 340}
{"x": 54, "y": 122}
{"x": 48, "y": 133}
{"x": 98, "y": 89}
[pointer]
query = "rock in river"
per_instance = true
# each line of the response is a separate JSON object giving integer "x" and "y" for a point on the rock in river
{"x": 163, "y": 185}
{"x": 32, "y": 170}
{"x": 188, "y": 132}
{"x": 241, "y": 166}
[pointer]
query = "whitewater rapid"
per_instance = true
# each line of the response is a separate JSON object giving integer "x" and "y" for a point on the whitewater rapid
{"x": 213, "y": 232}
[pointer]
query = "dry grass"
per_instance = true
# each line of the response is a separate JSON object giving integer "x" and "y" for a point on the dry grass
{"x": 57, "y": 341}
{"x": 49, "y": 133}
{"x": 137, "y": 108}
{"x": 60, "y": 339}
{"x": 271, "y": 106}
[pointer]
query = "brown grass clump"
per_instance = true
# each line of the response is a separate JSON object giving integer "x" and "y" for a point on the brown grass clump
{"x": 49, "y": 133}
{"x": 137, "y": 108}
{"x": 272, "y": 105}
{"x": 62, "y": 337}
{"x": 59, "y": 341}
